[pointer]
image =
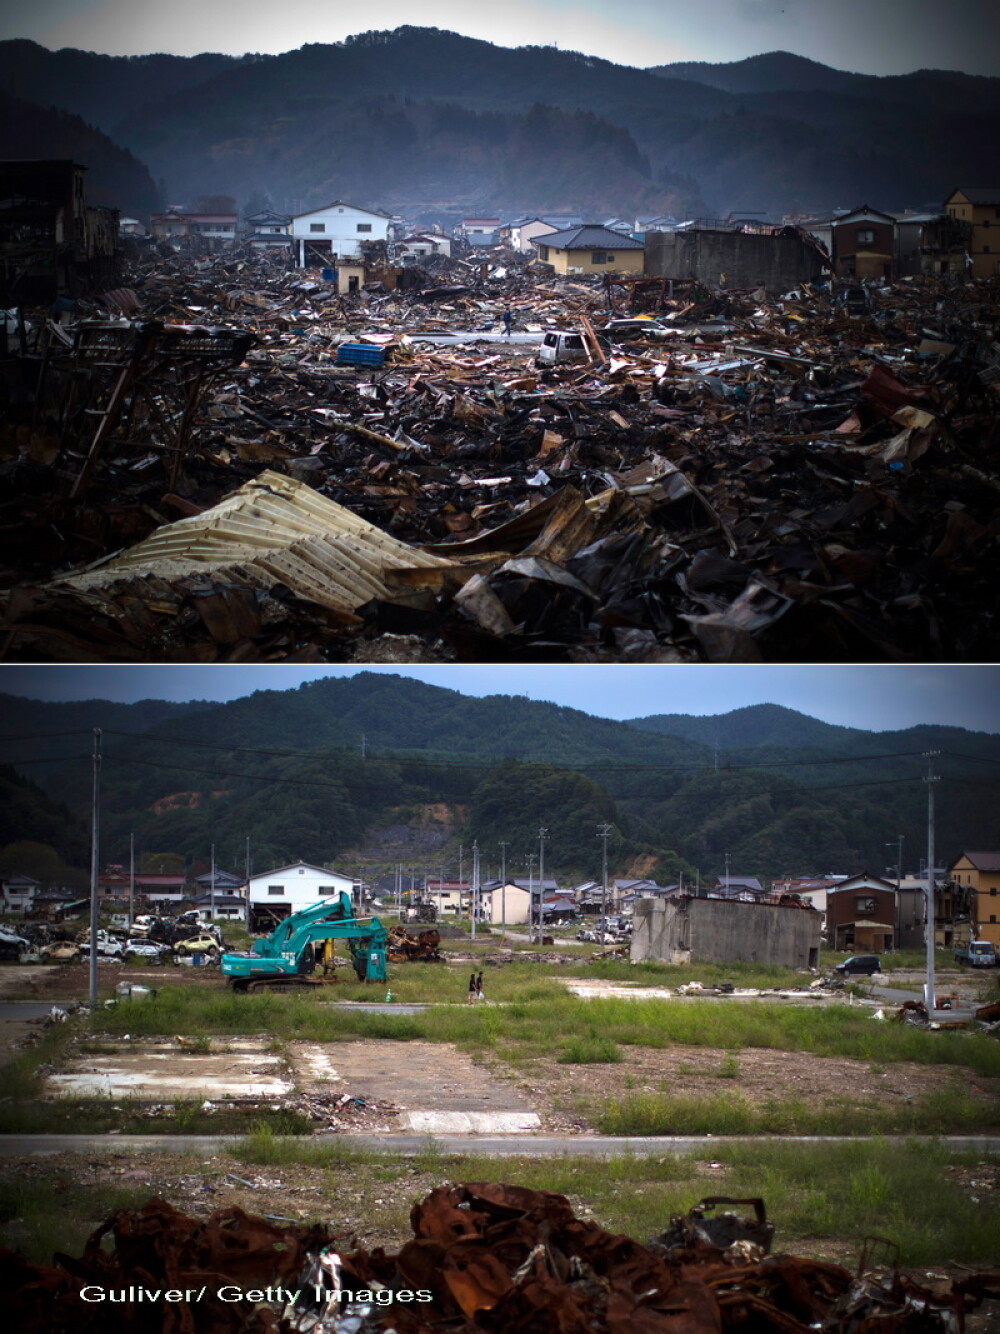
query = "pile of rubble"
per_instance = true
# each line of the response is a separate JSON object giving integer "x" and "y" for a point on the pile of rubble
{"x": 403, "y": 947}
{"x": 483, "y": 1257}
{"x": 740, "y": 479}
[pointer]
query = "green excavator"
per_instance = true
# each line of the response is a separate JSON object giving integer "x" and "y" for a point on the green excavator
{"x": 287, "y": 957}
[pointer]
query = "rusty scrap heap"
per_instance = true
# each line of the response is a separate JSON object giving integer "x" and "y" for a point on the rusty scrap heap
{"x": 740, "y": 478}
{"x": 483, "y": 1257}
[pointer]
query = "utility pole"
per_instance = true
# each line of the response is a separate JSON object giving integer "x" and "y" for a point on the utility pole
{"x": 603, "y": 830}
{"x": 94, "y": 862}
{"x": 503, "y": 890}
{"x": 212, "y": 900}
{"x": 727, "y": 875}
{"x": 930, "y": 1000}
{"x": 899, "y": 879}
{"x": 475, "y": 885}
{"x": 131, "y": 880}
{"x": 543, "y": 834}
{"x": 364, "y": 746}
{"x": 531, "y": 896}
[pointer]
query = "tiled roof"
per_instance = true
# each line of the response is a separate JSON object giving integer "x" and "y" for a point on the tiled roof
{"x": 589, "y": 238}
{"x": 980, "y": 194}
{"x": 983, "y": 861}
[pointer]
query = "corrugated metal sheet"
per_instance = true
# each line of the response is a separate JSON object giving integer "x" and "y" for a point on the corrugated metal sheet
{"x": 272, "y": 530}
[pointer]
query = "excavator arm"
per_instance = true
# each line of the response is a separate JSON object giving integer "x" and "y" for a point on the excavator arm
{"x": 284, "y": 958}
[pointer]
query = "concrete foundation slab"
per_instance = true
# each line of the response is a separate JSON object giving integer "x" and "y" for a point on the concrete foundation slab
{"x": 155, "y": 1072}
{"x": 470, "y": 1123}
{"x": 416, "y": 1077}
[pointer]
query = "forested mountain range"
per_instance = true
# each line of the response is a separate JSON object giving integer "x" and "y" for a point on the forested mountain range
{"x": 417, "y": 119}
{"x": 114, "y": 176}
{"x": 311, "y": 772}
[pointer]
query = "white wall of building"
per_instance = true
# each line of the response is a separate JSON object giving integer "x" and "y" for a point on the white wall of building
{"x": 342, "y": 226}
{"x": 297, "y": 886}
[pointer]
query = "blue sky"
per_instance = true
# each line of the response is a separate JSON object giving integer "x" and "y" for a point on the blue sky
{"x": 876, "y": 698}
{"x": 880, "y": 37}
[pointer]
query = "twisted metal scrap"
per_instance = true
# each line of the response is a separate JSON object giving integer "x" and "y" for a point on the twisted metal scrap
{"x": 492, "y": 1258}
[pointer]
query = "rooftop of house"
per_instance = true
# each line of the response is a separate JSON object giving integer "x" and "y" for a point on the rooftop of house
{"x": 591, "y": 236}
{"x": 983, "y": 861}
{"x": 978, "y": 194}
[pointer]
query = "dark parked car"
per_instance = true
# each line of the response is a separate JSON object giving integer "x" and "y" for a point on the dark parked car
{"x": 859, "y": 963}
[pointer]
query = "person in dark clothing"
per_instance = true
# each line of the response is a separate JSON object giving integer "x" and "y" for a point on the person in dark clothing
{"x": 473, "y": 989}
{"x": 479, "y": 986}
{"x": 506, "y": 320}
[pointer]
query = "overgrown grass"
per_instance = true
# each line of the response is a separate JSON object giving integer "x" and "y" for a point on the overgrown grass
{"x": 590, "y": 1049}
{"x": 937, "y": 1112}
{"x": 20, "y": 1079}
{"x": 98, "y": 1116}
{"x": 523, "y": 1028}
{"x": 824, "y": 1199}
{"x": 60, "y": 1218}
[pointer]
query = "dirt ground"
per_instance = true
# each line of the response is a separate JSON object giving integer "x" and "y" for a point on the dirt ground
{"x": 755, "y": 1074}
{"x": 561, "y": 1095}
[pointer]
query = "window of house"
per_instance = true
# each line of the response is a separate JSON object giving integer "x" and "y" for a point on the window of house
{"x": 864, "y": 236}
{"x": 364, "y": 226}
{"x": 317, "y": 226}
{"x": 600, "y": 257}
{"x": 275, "y": 890}
{"x": 543, "y": 252}
{"x": 327, "y": 889}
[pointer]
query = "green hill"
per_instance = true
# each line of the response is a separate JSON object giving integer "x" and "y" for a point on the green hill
{"x": 307, "y": 772}
{"x": 416, "y": 116}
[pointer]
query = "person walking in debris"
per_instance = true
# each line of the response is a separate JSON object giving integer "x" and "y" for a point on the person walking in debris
{"x": 506, "y": 321}
{"x": 473, "y": 989}
{"x": 479, "y": 986}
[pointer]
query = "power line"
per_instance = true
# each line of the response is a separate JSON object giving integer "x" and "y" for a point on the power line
{"x": 631, "y": 766}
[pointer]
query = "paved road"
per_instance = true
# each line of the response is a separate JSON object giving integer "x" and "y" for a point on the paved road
{"x": 476, "y": 336}
{"x": 13, "y": 1010}
{"x": 498, "y": 1146}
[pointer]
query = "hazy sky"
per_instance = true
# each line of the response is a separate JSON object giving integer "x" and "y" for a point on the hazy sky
{"x": 871, "y": 36}
{"x": 874, "y": 698}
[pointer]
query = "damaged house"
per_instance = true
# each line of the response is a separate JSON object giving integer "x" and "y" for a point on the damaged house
{"x": 979, "y": 209}
{"x": 690, "y": 928}
{"x": 215, "y": 230}
{"x": 861, "y": 242}
{"x": 52, "y": 242}
{"x": 861, "y": 915}
{"x": 591, "y": 249}
{"x": 336, "y": 231}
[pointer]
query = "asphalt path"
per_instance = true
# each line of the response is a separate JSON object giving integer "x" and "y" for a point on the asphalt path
{"x": 496, "y": 1146}
{"x": 476, "y": 336}
{"x": 27, "y": 1009}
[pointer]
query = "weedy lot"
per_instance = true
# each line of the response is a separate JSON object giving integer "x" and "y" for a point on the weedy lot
{"x": 939, "y": 1207}
{"x": 618, "y": 1065}
{"x": 614, "y": 1065}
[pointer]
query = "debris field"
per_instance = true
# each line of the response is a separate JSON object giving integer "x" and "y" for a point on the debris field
{"x": 720, "y": 475}
{"x": 483, "y": 1256}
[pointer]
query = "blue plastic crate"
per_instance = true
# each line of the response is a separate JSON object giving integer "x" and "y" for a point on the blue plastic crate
{"x": 360, "y": 354}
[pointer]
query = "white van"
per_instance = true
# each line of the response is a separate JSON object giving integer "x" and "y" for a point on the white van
{"x": 559, "y": 345}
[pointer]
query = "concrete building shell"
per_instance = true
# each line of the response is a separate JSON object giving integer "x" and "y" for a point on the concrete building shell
{"x": 686, "y": 929}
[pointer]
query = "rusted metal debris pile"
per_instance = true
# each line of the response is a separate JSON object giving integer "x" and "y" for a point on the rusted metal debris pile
{"x": 403, "y": 947}
{"x": 483, "y": 1257}
{"x": 741, "y": 479}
